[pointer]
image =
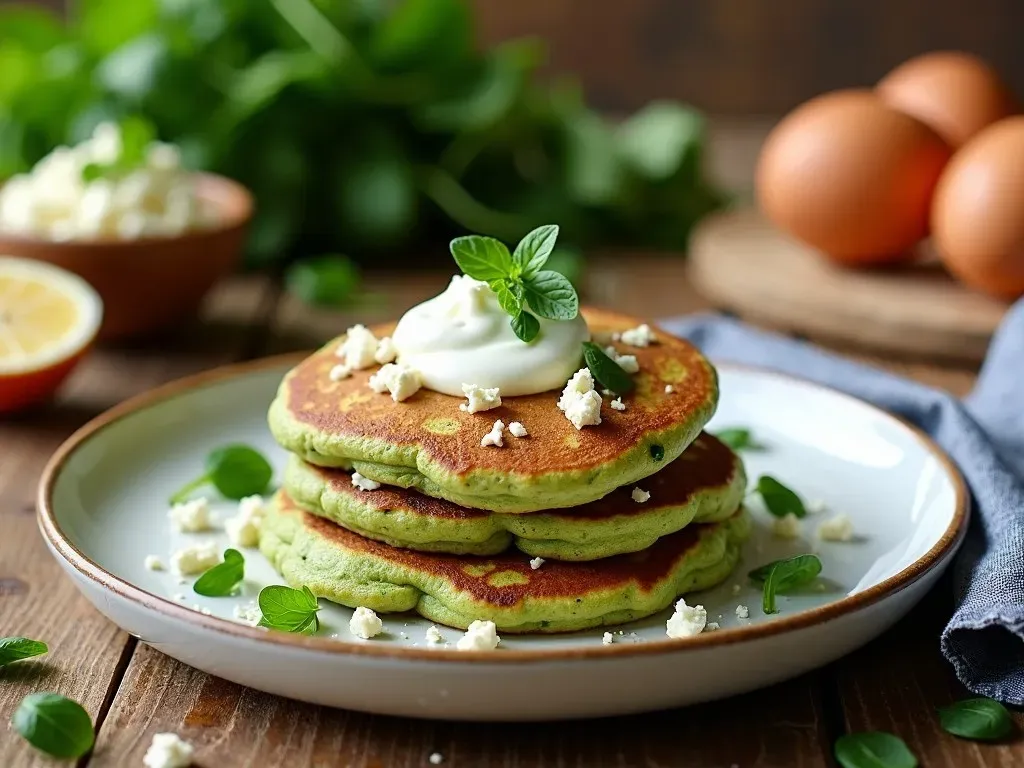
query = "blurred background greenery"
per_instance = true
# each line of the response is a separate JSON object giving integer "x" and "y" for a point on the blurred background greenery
{"x": 363, "y": 127}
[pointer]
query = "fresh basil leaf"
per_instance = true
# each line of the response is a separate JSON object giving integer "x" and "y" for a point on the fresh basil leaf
{"x": 873, "y": 749}
{"x": 738, "y": 438}
{"x": 510, "y": 295}
{"x": 54, "y": 724}
{"x": 482, "y": 258}
{"x": 224, "y": 578}
{"x": 552, "y": 296}
{"x": 526, "y": 326}
{"x": 980, "y": 719}
{"x": 236, "y": 471}
{"x": 789, "y": 573}
{"x": 778, "y": 499}
{"x": 608, "y": 373}
{"x": 18, "y": 648}
{"x": 289, "y": 610}
{"x": 533, "y": 250}
{"x": 327, "y": 281}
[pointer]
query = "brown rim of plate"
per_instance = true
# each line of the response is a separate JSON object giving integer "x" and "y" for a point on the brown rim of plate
{"x": 52, "y": 532}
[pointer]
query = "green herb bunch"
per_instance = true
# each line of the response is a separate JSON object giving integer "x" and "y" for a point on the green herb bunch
{"x": 360, "y": 125}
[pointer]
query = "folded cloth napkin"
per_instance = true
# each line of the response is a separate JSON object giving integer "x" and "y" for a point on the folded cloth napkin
{"x": 984, "y": 434}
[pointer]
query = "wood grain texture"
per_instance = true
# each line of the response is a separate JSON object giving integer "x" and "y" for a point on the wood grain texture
{"x": 88, "y": 654}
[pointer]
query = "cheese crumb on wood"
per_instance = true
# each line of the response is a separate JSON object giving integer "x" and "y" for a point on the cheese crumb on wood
{"x": 168, "y": 750}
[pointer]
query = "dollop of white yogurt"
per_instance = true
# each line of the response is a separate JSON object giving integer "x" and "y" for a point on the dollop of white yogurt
{"x": 463, "y": 335}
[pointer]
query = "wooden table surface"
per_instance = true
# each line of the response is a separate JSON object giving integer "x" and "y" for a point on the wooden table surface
{"x": 133, "y": 691}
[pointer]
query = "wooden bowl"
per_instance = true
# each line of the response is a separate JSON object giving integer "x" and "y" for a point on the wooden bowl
{"x": 152, "y": 283}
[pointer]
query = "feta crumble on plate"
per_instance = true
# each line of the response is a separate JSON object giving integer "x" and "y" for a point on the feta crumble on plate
{"x": 617, "y": 404}
{"x": 168, "y": 750}
{"x": 191, "y": 516}
{"x": 480, "y": 399}
{"x": 536, "y": 563}
{"x": 641, "y": 336}
{"x": 787, "y": 527}
{"x": 640, "y": 496}
{"x": 243, "y": 529}
{"x": 434, "y": 635}
{"x": 364, "y": 483}
{"x": 608, "y": 638}
{"x": 742, "y": 612}
{"x": 517, "y": 429}
{"x": 397, "y": 378}
{"x": 359, "y": 349}
{"x": 481, "y": 636}
{"x": 195, "y": 558}
{"x": 153, "y": 563}
{"x": 687, "y": 621}
{"x": 838, "y": 528}
{"x": 494, "y": 436}
{"x": 249, "y": 613}
{"x": 386, "y": 351}
{"x": 365, "y": 623}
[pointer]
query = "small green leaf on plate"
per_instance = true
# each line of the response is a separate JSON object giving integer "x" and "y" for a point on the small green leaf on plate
{"x": 18, "y": 648}
{"x": 54, "y": 724}
{"x": 236, "y": 471}
{"x": 608, "y": 373}
{"x": 778, "y": 499}
{"x": 783, "y": 575}
{"x": 980, "y": 719}
{"x": 873, "y": 749}
{"x": 223, "y": 579}
{"x": 289, "y": 610}
{"x": 737, "y": 438}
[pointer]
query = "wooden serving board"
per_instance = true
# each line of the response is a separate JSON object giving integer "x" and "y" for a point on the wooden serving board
{"x": 743, "y": 264}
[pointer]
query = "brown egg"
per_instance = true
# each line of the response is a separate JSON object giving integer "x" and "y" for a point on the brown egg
{"x": 955, "y": 93}
{"x": 978, "y": 211}
{"x": 851, "y": 177}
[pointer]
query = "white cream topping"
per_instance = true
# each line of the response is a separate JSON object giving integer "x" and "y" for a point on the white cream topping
{"x": 463, "y": 335}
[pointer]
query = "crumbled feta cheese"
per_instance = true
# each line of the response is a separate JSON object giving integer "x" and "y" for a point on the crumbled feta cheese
{"x": 494, "y": 436}
{"x": 687, "y": 621}
{"x": 167, "y": 750}
{"x": 386, "y": 351}
{"x": 608, "y": 638}
{"x": 586, "y": 411}
{"x": 249, "y": 613}
{"x": 787, "y": 527}
{"x": 536, "y": 563}
{"x": 196, "y": 558}
{"x": 191, "y": 516}
{"x": 244, "y": 528}
{"x": 617, "y": 404}
{"x": 481, "y": 636}
{"x": 480, "y": 399}
{"x": 640, "y": 496}
{"x": 397, "y": 378}
{"x": 154, "y": 563}
{"x": 581, "y": 382}
{"x": 838, "y": 528}
{"x": 359, "y": 348}
{"x": 434, "y": 635}
{"x": 517, "y": 429}
{"x": 712, "y": 626}
{"x": 364, "y": 483}
{"x": 669, "y": 389}
{"x": 436, "y": 758}
{"x": 339, "y": 372}
{"x": 641, "y": 336}
{"x": 815, "y": 506}
{"x": 742, "y": 612}
{"x": 365, "y": 623}
{"x": 627, "y": 363}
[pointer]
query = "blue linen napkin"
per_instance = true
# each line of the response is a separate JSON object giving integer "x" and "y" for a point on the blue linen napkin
{"x": 984, "y": 434}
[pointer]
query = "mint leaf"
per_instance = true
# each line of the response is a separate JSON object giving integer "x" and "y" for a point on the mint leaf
{"x": 482, "y": 258}
{"x": 510, "y": 295}
{"x": 223, "y": 578}
{"x": 783, "y": 575}
{"x": 54, "y": 724}
{"x": 289, "y": 610}
{"x": 873, "y": 749}
{"x": 980, "y": 719}
{"x": 533, "y": 250}
{"x": 551, "y": 296}
{"x": 608, "y": 373}
{"x": 236, "y": 471}
{"x": 526, "y": 326}
{"x": 18, "y": 648}
{"x": 778, "y": 499}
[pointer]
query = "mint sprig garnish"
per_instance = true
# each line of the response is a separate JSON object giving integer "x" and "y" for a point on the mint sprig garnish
{"x": 519, "y": 278}
{"x": 236, "y": 471}
{"x": 779, "y": 500}
{"x": 608, "y": 373}
{"x": 17, "y": 648}
{"x": 223, "y": 579}
{"x": 289, "y": 610}
{"x": 783, "y": 575}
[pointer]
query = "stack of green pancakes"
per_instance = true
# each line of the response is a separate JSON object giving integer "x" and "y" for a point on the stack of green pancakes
{"x": 560, "y": 530}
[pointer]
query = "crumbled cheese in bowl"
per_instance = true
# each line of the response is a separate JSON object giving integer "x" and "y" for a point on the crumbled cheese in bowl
{"x": 608, "y": 638}
{"x": 81, "y": 193}
{"x": 434, "y": 635}
{"x": 838, "y": 528}
{"x": 168, "y": 750}
{"x": 243, "y": 529}
{"x": 195, "y": 559}
{"x": 191, "y": 516}
{"x": 365, "y": 623}
{"x": 481, "y": 636}
{"x": 742, "y": 612}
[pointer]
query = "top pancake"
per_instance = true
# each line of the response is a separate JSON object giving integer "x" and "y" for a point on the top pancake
{"x": 427, "y": 443}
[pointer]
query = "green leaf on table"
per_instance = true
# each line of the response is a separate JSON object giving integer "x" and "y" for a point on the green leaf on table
{"x": 236, "y": 471}
{"x": 510, "y": 295}
{"x": 289, "y": 610}
{"x": 54, "y": 724}
{"x": 873, "y": 749}
{"x": 782, "y": 576}
{"x": 223, "y": 579}
{"x": 608, "y": 373}
{"x": 482, "y": 258}
{"x": 533, "y": 250}
{"x": 328, "y": 281}
{"x": 551, "y": 295}
{"x": 778, "y": 499}
{"x": 18, "y": 648}
{"x": 738, "y": 438}
{"x": 980, "y": 719}
{"x": 525, "y": 326}
{"x": 656, "y": 140}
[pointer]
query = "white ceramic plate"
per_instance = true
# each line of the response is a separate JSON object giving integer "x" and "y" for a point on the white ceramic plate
{"x": 103, "y": 509}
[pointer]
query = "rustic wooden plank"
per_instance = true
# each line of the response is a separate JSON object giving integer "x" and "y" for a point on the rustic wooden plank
{"x": 231, "y": 725}
{"x": 88, "y": 654}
